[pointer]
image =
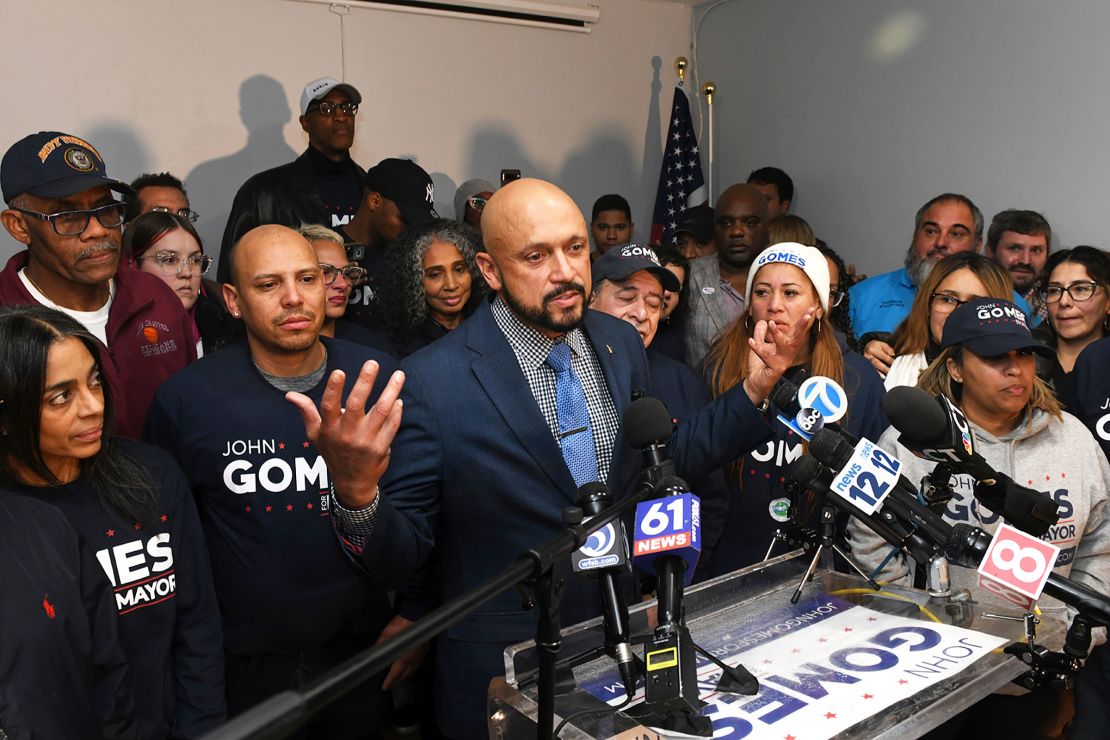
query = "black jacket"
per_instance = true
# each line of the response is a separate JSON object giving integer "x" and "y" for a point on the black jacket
{"x": 287, "y": 195}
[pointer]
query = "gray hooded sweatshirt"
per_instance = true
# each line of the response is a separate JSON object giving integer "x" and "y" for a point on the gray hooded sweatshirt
{"x": 1058, "y": 458}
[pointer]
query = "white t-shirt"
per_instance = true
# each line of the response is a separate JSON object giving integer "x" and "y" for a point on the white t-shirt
{"x": 905, "y": 370}
{"x": 95, "y": 321}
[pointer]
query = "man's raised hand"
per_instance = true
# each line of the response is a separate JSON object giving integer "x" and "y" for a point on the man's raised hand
{"x": 354, "y": 442}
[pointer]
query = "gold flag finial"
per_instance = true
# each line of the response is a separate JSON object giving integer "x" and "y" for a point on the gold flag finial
{"x": 709, "y": 90}
{"x": 680, "y": 65}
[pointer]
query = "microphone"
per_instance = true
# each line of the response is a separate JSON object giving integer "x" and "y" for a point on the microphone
{"x": 808, "y": 473}
{"x": 819, "y": 402}
{"x": 935, "y": 429}
{"x": 605, "y": 554}
{"x": 667, "y": 543}
{"x": 967, "y": 545}
{"x": 835, "y": 451}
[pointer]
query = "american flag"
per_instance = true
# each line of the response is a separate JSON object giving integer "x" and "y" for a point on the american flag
{"x": 681, "y": 183}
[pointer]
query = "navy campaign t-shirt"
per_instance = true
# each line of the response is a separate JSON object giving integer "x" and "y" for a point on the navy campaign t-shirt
{"x": 283, "y": 581}
{"x": 162, "y": 591}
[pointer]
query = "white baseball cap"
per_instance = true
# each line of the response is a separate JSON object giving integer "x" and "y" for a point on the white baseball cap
{"x": 321, "y": 87}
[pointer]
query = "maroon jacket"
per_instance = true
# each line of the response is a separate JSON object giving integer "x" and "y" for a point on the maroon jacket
{"x": 149, "y": 338}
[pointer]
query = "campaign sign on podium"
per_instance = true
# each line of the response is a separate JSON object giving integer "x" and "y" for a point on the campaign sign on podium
{"x": 668, "y": 526}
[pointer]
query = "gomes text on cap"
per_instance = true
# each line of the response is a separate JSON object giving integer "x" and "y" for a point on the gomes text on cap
{"x": 990, "y": 327}
{"x": 51, "y": 164}
{"x": 807, "y": 259}
{"x": 621, "y": 263}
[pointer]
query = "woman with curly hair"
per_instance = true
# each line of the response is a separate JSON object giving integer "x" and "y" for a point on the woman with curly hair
{"x": 428, "y": 284}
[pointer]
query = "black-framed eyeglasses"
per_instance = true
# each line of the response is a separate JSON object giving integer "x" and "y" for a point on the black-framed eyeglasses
{"x": 1078, "y": 292}
{"x": 72, "y": 223}
{"x": 477, "y": 202}
{"x": 327, "y": 109}
{"x": 836, "y": 297}
{"x": 186, "y": 213}
{"x": 353, "y": 274}
{"x": 944, "y": 303}
{"x": 173, "y": 264}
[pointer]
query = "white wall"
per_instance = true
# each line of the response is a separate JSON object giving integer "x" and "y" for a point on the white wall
{"x": 875, "y": 106}
{"x": 208, "y": 89}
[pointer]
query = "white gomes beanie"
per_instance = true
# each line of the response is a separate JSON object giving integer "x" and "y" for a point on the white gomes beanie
{"x": 807, "y": 259}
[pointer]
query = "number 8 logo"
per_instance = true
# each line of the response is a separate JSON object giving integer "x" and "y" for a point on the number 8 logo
{"x": 1009, "y": 556}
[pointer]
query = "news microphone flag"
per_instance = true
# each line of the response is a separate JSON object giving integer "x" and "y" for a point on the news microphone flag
{"x": 668, "y": 526}
{"x": 681, "y": 183}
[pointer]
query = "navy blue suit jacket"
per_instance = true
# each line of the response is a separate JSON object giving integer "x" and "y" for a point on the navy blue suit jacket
{"x": 476, "y": 472}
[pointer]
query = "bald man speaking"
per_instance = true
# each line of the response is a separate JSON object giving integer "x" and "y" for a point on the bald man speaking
{"x": 292, "y": 604}
{"x": 504, "y": 419}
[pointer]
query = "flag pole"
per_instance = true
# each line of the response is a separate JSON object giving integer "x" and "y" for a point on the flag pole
{"x": 709, "y": 90}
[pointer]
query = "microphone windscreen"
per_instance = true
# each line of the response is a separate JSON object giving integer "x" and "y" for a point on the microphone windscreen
{"x": 785, "y": 396}
{"x": 831, "y": 449}
{"x": 647, "y": 421}
{"x": 805, "y": 470}
{"x": 915, "y": 413}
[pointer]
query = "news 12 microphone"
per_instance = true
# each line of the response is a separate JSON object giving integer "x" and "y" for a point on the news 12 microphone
{"x": 809, "y": 473}
{"x": 605, "y": 554}
{"x": 935, "y": 429}
{"x": 667, "y": 543}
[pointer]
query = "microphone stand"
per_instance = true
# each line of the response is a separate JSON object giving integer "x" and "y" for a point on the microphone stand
{"x": 828, "y": 539}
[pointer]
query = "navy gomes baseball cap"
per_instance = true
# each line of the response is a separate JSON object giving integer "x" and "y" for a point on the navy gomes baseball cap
{"x": 51, "y": 164}
{"x": 990, "y": 327}
{"x": 621, "y": 263}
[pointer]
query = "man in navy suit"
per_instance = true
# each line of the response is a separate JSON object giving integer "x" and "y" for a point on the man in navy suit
{"x": 477, "y": 468}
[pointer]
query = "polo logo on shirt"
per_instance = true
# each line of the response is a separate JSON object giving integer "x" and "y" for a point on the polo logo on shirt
{"x": 141, "y": 573}
{"x": 154, "y": 339}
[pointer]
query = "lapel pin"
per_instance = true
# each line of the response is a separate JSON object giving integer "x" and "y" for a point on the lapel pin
{"x": 609, "y": 348}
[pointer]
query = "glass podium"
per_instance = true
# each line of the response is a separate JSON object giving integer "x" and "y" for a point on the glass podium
{"x": 719, "y": 609}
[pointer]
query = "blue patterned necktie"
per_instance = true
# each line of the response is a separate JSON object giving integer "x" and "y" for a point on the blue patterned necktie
{"x": 575, "y": 438}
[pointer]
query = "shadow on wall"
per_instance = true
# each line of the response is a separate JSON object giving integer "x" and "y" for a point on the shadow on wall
{"x": 264, "y": 110}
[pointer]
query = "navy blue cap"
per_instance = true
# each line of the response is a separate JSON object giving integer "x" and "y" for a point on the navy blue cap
{"x": 990, "y": 327}
{"x": 51, "y": 164}
{"x": 621, "y": 263}
{"x": 696, "y": 221}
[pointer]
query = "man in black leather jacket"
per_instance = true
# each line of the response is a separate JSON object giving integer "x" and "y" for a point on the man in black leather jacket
{"x": 322, "y": 186}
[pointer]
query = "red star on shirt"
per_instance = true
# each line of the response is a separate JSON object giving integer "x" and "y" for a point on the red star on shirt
{"x": 305, "y": 445}
{"x": 289, "y": 507}
{"x": 269, "y": 508}
{"x": 138, "y": 526}
{"x": 868, "y": 696}
{"x": 281, "y": 445}
{"x": 164, "y": 518}
{"x": 248, "y": 508}
{"x": 830, "y": 715}
{"x": 1048, "y": 477}
{"x": 308, "y": 506}
{"x": 111, "y": 533}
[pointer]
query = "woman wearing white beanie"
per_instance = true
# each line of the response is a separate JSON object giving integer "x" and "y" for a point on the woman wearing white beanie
{"x": 784, "y": 281}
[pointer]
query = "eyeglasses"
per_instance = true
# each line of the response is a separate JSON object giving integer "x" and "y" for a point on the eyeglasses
{"x": 353, "y": 274}
{"x": 172, "y": 263}
{"x": 186, "y": 213}
{"x": 327, "y": 109}
{"x": 944, "y": 303}
{"x": 836, "y": 297}
{"x": 1078, "y": 292}
{"x": 72, "y": 223}
{"x": 477, "y": 202}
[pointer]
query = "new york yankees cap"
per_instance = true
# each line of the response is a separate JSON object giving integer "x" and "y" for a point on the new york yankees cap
{"x": 407, "y": 184}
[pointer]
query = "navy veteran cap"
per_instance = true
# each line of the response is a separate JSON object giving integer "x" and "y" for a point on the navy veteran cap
{"x": 407, "y": 184}
{"x": 990, "y": 327}
{"x": 51, "y": 164}
{"x": 621, "y": 263}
